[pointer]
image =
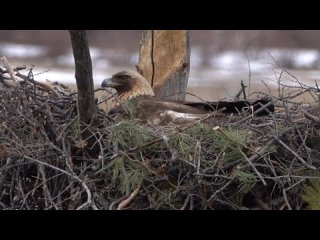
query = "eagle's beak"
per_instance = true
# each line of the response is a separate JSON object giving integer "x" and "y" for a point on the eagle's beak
{"x": 109, "y": 83}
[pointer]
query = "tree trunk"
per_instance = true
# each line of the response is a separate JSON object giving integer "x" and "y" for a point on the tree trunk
{"x": 86, "y": 102}
{"x": 165, "y": 61}
{"x": 83, "y": 65}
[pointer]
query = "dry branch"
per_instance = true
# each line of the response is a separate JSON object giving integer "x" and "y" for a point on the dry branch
{"x": 311, "y": 117}
{"x": 127, "y": 201}
{"x": 10, "y": 70}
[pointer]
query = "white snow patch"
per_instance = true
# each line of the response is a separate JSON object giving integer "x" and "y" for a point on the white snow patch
{"x": 22, "y": 50}
{"x": 134, "y": 58}
{"x": 307, "y": 58}
{"x": 195, "y": 58}
{"x": 66, "y": 59}
{"x": 228, "y": 66}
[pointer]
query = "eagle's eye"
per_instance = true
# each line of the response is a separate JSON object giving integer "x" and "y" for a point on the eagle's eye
{"x": 125, "y": 77}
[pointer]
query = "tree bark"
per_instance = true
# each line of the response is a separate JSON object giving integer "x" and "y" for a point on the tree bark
{"x": 164, "y": 61}
{"x": 86, "y": 102}
{"x": 83, "y": 74}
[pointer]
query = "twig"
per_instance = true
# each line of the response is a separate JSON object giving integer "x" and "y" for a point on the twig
{"x": 249, "y": 66}
{"x": 261, "y": 151}
{"x": 254, "y": 168}
{"x": 234, "y": 174}
{"x": 46, "y": 189}
{"x": 286, "y": 199}
{"x": 264, "y": 107}
{"x": 185, "y": 204}
{"x": 317, "y": 90}
{"x": 16, "y": 69}
{"x": 243, "y": 87}
{"x": 70, "y": 175}
{"x": 43, "y": 86}
{"x": 117, "y": 201}
{"x": 4, "y": 173}
{"x": 295, "y": 154}
{"x": 310, "y": 116}
{"x": 9, "y": 68}
{"x": 126, "y": 202}
{"x": 50, "y": 166}
{"x": 68, "y": 161}
{"x": 25, "y": 202}
{"x": 198, "y": 151}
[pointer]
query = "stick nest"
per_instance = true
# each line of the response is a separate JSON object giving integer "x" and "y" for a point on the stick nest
{"x": 237, "y": 162}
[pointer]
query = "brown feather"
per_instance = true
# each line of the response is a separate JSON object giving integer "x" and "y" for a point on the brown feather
{"x": 155, "y": 110}
{"x": 133, "y": 85}
{"x": 130, "y": 85}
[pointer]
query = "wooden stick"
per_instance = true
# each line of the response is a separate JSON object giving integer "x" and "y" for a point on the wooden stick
{"x": 43, "y": 86}
{"x": 126, "y": 202}
{"x": 310, "y": 116}
{"x": 295, "y": 154}
{"x": 9, "y": 68}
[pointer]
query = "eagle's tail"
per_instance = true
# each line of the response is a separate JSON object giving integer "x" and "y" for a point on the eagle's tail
{"x": 236, "y": 106}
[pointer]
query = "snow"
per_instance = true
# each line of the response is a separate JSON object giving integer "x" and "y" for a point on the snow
{"x": 100, "y": 58}
{"x": 195, "y": 58}
{"x": 65, "y": 76}
{"x": 228, "y": 60}
{"x": 307, "y": 58}
{"x": 234, "y": 66}
{"x": 21, "y": 50}
{"x": 223, "y": 67}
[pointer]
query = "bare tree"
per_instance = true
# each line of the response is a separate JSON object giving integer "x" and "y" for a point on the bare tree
{"x": 83, "y": 65}
{"x": 165, "y": 61}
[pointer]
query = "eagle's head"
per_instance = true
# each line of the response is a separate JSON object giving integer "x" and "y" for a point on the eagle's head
{"x": 128, "y": 84}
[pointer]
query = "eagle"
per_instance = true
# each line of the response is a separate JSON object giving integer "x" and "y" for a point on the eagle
{"x": 135, "y": 96}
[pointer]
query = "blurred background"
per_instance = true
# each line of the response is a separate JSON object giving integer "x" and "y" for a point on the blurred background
{"x": 220, "y": 59}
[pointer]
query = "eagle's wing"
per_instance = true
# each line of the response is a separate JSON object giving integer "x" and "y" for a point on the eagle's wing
{"x": 136, "y": 98}
{"x": 235, "y": 106}
{"x": 158, "y": 110}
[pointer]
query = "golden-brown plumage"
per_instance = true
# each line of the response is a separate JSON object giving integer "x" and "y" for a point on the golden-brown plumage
{"x": 128, "y": 84}
{"x": 132, "y": 87}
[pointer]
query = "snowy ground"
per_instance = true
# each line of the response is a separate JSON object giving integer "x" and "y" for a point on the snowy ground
{"x": 226, "y": 67}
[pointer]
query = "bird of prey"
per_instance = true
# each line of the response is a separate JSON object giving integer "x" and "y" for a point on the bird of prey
{"x": 135, "y": 96}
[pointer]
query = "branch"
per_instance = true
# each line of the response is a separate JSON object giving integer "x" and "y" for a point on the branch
{"x": 126, "y": 202}
{"x": 295, "y": 154}
{"x": 310, "y": 116}
{"x": 43, "y": 86}
{"x": 9, "y": 68}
